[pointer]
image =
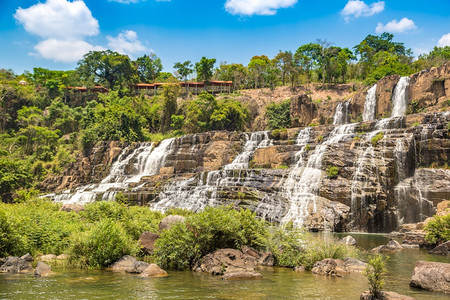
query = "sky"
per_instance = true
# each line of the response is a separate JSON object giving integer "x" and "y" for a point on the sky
{"x": 55, "y": 34}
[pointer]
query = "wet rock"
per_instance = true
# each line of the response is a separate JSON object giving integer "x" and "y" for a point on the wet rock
{"x": 329, "y": 267}
{"x": 354, "y": 265}
{"x": 168, "y": 221}
{"x": 385, "y": 296}
{"x": 349, "y": 240}
{"x": 250, "y": 251}
{"x": 225, "y": 260}
{"x": 267, "y": 259}
{"x": 153, "y": 270}
{"x": 124, "y": 263}
{"x": 72, "y": 207}
{"x": 242, "y": 275}
{"x": 47, "y": 258}
{"x": 442, "y": 249}
{"x": 137, "y": 268}
{"x": 299, "y": 269}
{"x": 147, "y": 241}
{"x": 27, "y": 257}
{"x": 16, "y": 265}
{"x": 302, "y": 110}
{"x": 42, "y": 270}
{"x": 443, "y": 208}
{"x": 415, "y": 238}
{"x": 432, "y": 276}
{"x": 391, "y": 246}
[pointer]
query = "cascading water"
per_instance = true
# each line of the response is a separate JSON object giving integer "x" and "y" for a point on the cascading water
{"x": 195, "y": 194}
{"x": 146, "y": 160}
{"x": 370, "y": 104}
{"x": 399, "y": 100}
{"x": 341, "y": 113}
{"x": 302, "y": 185}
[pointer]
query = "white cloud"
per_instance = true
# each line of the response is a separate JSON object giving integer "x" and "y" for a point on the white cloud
{"x": 357, "y": 8}
{"x": 134, "y": 1}
{"x": 64, "y": 50}
{"x": 126, "y": 42}
{"x": 257, "y": 7}
{"x": 58, "y": 19}
{"x": 444, "y": 40}
{"x": 395, "y": 26}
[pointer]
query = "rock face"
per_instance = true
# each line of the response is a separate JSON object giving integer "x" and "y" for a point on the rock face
{"x": 382, "y": 183}
{"x": 383, "y": 295}
{"x": 225, "y": 260}
{"x": 336, "y": 267}
{"x": 147, "y": 241}
{"x": 16, "y": 265}
{"x": 431, "y": 276}
{"x": 42, "y": 270}
{"x": 154, "y": 270}
{"x": 442, "y": 249}
{"x": 168, "y": 221}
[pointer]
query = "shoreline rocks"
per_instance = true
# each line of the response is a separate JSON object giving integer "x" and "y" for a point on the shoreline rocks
{"x": 153, "y": 270}
{"x": 43, "y": 270}
{"x": 14, "y": 264}
{"x": 432, "y": 276}
{"x": 441, "y": 249}
{"x": 391, "y": 247}
{"x": 337, "y": 267}
{"x": 383, "y": 295}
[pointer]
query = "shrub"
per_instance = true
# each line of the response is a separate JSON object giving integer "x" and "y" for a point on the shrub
{"x": 332, "y": 172}
{"x": 318, "y": 251}
{"x": 320, "y": 139}
{"x": 376, "y": 138}
{"x": 9, "y": 241}
{"x": 374, "y": 272}
{"x": 307, "y": 147}
{"x": 438, "y": 230}
{"x": 285, "y": 244}
{"x": 214, "y": 228}
{"x": 278, "y": 115}
{"x": 275, "y": 134}
{"x": 102, "y": 244}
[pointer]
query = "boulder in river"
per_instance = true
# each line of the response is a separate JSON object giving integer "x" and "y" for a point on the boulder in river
{"x": 225, "y": 260}
{"x": 42, "y": 270}
{"x": 137, "y": 268}
{"x": 16, "y": 265}
{"x": 385, "y": 296}
{"x": 153, "y": 270}
{"x": 168, "y": 221}
{"x": 432, "y": 276}
{"x": 124, "y": 263}
{"x": 338, "y": 267}
{"x": 47, "y": 258}
{"x": 241, "y": 275}
{"x": 390, "y": 247}
{"x": 349, "y": 240}
{"x": 442, "y": 249}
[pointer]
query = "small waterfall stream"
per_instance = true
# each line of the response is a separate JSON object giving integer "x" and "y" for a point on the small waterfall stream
{"x": 341, "y": 113}
{"x": 146, "y": 160}
{"x": 370, "y": 104}
{"x": 195, "y": 194}
{"x": 399, "y": 98}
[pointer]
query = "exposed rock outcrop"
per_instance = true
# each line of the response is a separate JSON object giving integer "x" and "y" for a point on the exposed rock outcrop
{"x": 390, "y": 247}
{"x": 124, "y": 263}
{"x": 337, "y": 267}
{"x": 168, "y": 221}
{"x": 432, "y": 276}
{"x": 442, "y": 249}
{"x": 383, "y": 295}
{"x": 42, "y": 270}
{"x": 147, "y": 241}
{"x": 225, "y": 260}
{"x": 16, "y": 265}
{"x": 153, "y": 270}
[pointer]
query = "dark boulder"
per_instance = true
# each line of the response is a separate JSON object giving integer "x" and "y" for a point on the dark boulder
{"x": 442, "y": 249}
{"x": 42, "y": 270}
{"x": 147, "y": 241}
{"x": 16, "y": 265}
{"x": 225, "y": 260}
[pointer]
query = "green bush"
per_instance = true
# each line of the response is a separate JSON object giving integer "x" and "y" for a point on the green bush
{"x": 103, "y": 243}
{"x": 9, "y": 241}
{"x": 204, "y": 232}
{"x": 376, "y": 138}
{"x": 374, "y": 272}
{"x": 438, "y": 230}
{"x": 286, "y": 245}
{"x": 307, "y": 147}
{"x": 317, "y": 251}
{"x": 332, "y": 172}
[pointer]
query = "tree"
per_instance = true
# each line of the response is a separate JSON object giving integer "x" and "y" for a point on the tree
{"x": 285, "y": 63}
{"x": 374, "y": 271}
{"x": 148, "y": 67}
{"x": 184, "y": 69}
{"x": 106, "y": 67}
{"x": 236, "y": 73}
{"x": 204, "y": 69}
{"x": 199, "y": 111}
{"x": 256, "y": 67}
{"x": 13, "y": 175}
{"x": 169, "y": 107}
{"x": 306, "y": 57}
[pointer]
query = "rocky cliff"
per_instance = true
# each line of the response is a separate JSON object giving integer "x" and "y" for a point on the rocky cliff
{"x": 368, "y": 176}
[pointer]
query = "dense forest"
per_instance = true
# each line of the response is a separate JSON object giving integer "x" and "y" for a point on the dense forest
{"x": 44, "y": 124}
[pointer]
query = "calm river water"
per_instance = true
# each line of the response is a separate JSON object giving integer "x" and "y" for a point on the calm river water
{"x": 278, "y": 283}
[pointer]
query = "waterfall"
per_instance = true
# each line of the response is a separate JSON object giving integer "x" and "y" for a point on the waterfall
{"x": 399, "y": 97}
{"x": 145, "y": 160}
{"x": 303, "y": 183}
{"x": 341, "y": 113}
{"x": 370, "y": 104}
{"x": 195, "y": 194}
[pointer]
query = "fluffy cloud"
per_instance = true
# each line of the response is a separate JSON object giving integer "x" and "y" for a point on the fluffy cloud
{"x": 126, "y": 42}
{"x": 58, "y": 19}
{"x": 256, "y": 7}
{"x": 358, "y": 8}
{"x": 444, "y": 40}
{"x": 64, "y": 50}
{"x": 395, "y": 26}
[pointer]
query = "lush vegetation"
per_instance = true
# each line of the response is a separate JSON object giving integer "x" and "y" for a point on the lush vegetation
{"x": 332, "y": 172}
{"x": 438, "y": 230}
{"x": 374, "y": 273}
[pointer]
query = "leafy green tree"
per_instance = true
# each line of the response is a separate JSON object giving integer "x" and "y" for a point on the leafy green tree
{"x": 106, "y": 67}
{"x": 169, "y": 107}
{"x": 257, "y": 68}
{"x": 148, "y": 67}
{"x": 229, "y": 115}
{"x": 236, "y": 73}
{"x": 278, "y": 115}
{"x": 374, "y": 273}
{"x": 285, "y": 62}
{"x": 184, "y": 69}
{"x": 199, "y": 111}
{"x": 204, "y": 69}
{"x": 39, "y": 141}
{"x": 13, "y": 175}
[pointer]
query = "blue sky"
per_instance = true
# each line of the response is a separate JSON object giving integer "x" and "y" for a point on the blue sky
{"x": 54, "y": 34}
